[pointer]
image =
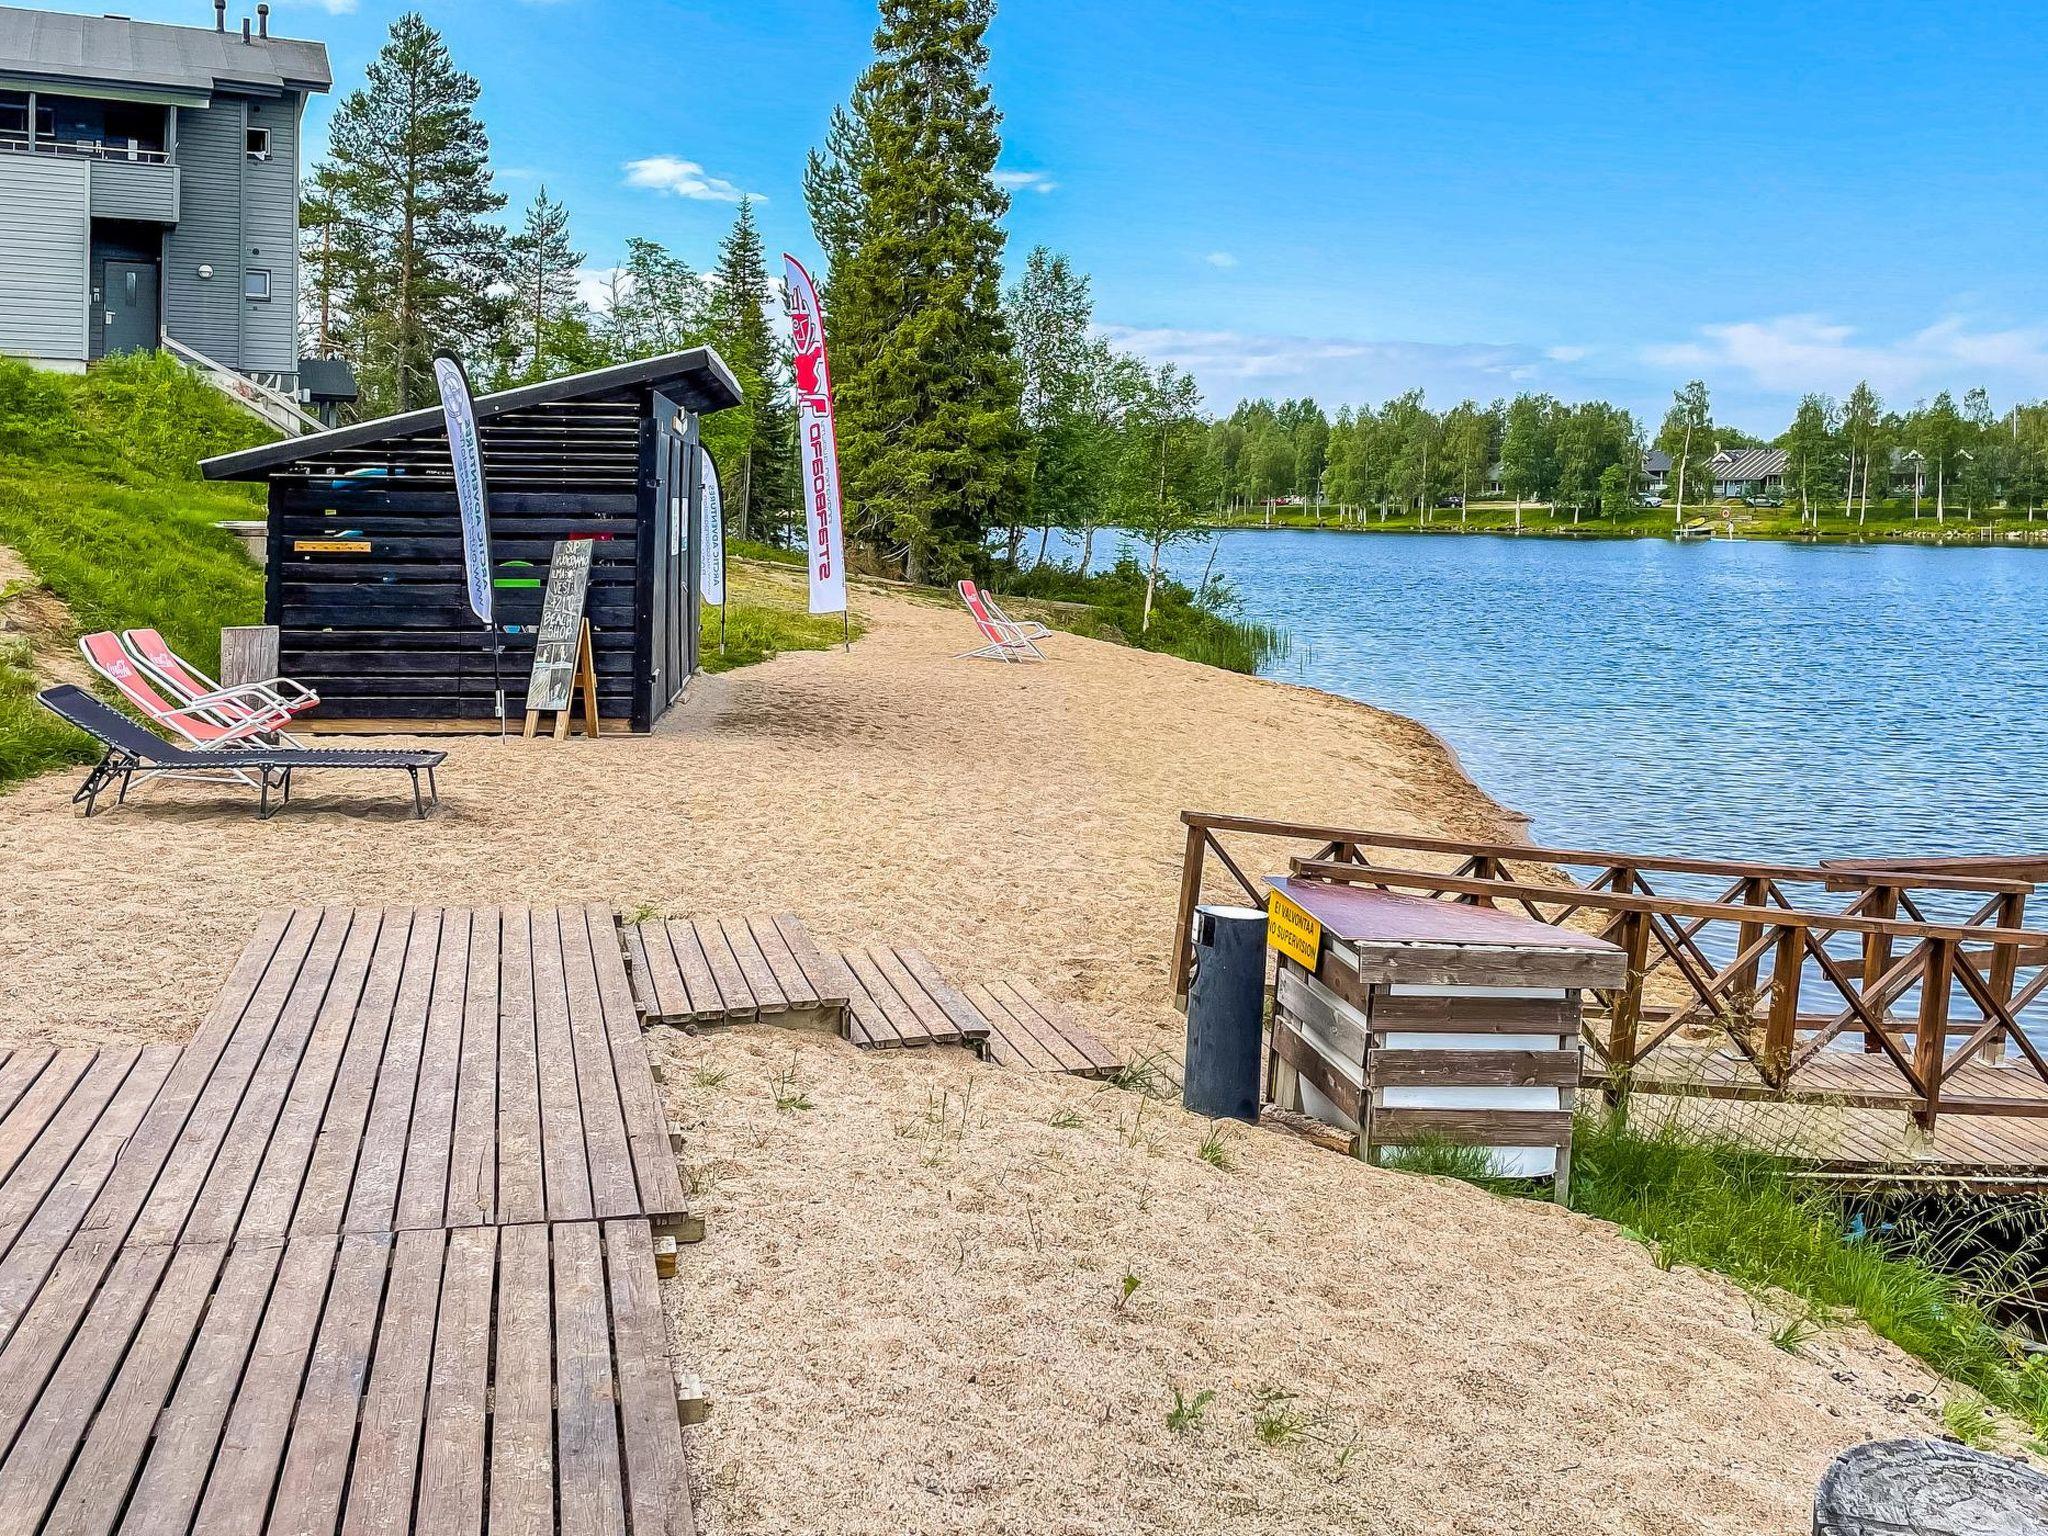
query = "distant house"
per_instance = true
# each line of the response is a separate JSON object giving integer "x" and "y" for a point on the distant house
{"x": 1739, "y": 472}
{"x": 149, "y": 189}
{"x": 1656, "y": 471}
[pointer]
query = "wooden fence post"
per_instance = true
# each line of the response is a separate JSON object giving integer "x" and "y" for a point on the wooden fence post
{"x": 1742, "y": 990}
{"x": 248, "y": 654}
{"x": 1627, "y": 1013}
{"x": 1184, "y": 913}
{"x": 1787, "y": 962}
{"x": 1877, "y": 952}
{"x": 2012, "y": 913}
{"x": 1930, "y": 1038}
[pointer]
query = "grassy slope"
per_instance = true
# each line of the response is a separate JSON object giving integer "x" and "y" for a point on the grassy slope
{"x": 1892, "y": 521}
{"x": 1741, "y": 1213}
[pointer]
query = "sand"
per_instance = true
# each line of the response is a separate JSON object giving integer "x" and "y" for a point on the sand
{"x": 908, "y": 1308}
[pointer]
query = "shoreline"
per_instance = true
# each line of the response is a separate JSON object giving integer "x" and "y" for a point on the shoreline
{"x": 1978, "y": 539}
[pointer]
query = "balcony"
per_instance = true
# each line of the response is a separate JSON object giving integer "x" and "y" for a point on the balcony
{"x": 135, "y": 189}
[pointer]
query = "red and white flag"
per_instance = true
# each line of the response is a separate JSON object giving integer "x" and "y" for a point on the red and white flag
{"x": 817, "y": 444}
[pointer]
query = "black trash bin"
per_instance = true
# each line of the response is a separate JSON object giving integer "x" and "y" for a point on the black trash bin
{"x": 1226, "y": 1008}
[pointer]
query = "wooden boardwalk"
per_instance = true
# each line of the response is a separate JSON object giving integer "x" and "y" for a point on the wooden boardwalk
{"x": 1839, "y": 1123}
{"x": 374, "y": 1251}
{"x": 709, "y": 971}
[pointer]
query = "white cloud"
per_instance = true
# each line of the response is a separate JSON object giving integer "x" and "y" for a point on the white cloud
{"x": 1221, "y": 259}
{"x": 1025, "y": 181}
{"x": 1791, "y": 354}
{"x": 683, "y": 178}
{"x": 1567, "y": 354}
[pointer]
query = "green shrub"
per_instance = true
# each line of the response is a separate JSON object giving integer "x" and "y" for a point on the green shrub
{"x": 1207, "y": 630}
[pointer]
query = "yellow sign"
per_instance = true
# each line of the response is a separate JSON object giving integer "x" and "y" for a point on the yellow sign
{"x": 330, "y": 546}
{"x": 1294, "y": 931}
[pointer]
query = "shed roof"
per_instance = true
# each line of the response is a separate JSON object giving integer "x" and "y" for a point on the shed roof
{"x": 1749, "y": 463}
{"x": 58, "y": 49}
{"x": 697, "y": 379}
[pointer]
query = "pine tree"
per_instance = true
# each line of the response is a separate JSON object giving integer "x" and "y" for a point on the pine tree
{"x": 739, "y": 330}
{"x": 927, "y": 388}
{"x": 545, "y": 321}
{"x": 832, "y": 186}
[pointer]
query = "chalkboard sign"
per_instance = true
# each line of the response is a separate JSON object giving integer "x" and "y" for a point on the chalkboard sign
{"x": 561, "y": 624}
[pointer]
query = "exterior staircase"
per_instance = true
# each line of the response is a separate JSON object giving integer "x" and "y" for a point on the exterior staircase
{"x": 273, "y": 406}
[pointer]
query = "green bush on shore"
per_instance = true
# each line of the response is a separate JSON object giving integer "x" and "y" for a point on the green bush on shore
{"x": 1205, "y": 629}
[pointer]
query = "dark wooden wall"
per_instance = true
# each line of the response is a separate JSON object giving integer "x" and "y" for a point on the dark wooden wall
{"x": 386, "y": 634}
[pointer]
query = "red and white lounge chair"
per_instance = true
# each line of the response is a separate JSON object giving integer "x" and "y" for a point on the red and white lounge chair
{"x": 1025, "y": 629}
{"x": 225, "y": 717}
{"x": 1004, "y": 641}
{"x": 188, "y": 684}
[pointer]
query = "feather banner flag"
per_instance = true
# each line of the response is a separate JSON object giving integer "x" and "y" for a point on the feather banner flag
{"x": 824, "y": 520}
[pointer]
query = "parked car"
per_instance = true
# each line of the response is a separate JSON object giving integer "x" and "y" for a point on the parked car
{"x": 1453, "y": 502}
{"x": 1649, "y": 499}
{"x": 1762, "y": 501}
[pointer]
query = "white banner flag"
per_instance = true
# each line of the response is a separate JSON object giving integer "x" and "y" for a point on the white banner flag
{"x": 466, "y": 451}
{"x": 711, "y": 530}
{"x": 817, "y": 446}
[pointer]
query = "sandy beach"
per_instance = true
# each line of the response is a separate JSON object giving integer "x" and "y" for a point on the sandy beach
{"x": 911, "y": 1307}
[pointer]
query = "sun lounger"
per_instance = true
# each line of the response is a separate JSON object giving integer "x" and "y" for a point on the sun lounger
{"x": 212, "y": 720}
{"x": 132, "y": 750}
{"x": 1024, "y": 629}
{"x": 1004, "y": 643}
{"x": 187, "y": 683}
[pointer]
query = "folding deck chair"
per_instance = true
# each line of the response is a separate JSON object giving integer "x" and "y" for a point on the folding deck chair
{"x": 1024, "y": 629}
{"x": 213, "y": 720}
{"x": 187, "y": 683}
{"x": 131, "y": 749}
{"x": 1005, "y": 642}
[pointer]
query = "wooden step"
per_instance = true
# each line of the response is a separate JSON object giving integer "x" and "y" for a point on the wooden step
{"x": 900, "y": 998}
{"x": 1031, "y": 1032}
{"x": 708, "y": 971}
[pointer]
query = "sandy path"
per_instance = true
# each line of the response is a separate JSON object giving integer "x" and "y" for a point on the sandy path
{"x": 1013, "y": 817}
{"x": 908, "y": 1314}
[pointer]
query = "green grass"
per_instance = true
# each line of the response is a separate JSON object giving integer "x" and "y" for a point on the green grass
{"x": 1742, "y": 1213}
{"x": 764, "y": 617}
{"x": 1110, "y": 605}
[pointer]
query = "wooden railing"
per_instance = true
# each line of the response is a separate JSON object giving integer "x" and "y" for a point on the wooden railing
{"x": 1760, "y": 965}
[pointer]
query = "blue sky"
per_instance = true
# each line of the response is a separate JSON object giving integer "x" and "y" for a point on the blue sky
{"x": 1352, "y": 199}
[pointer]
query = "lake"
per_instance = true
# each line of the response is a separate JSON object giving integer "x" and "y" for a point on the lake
{"x": 1725, "y": 699}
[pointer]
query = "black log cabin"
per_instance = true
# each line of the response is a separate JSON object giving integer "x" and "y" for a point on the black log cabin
{"x": 365, "y": 575}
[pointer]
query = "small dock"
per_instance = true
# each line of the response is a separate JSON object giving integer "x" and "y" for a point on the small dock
{"x": 377, "y": 1250}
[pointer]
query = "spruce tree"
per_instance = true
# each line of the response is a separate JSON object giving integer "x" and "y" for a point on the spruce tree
{"x": 832, "y": 187}
{"x": 927, "y": 390}
{"x": 739, "y": 330}
{"x": 409, "y": 175}
{"x": 546, "y": 325}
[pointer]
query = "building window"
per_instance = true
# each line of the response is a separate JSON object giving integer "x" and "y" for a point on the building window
{"x": 256, "y": 283}
{"x": 259, "y": 143}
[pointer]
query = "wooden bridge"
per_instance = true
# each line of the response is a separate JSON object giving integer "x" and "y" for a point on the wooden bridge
{"x": 1818, "y": 1009}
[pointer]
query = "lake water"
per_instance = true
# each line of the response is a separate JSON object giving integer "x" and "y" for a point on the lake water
{"x": 1725, "y": 699}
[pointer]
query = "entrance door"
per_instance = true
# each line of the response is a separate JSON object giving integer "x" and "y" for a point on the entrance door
{"x": 129, "y": 307}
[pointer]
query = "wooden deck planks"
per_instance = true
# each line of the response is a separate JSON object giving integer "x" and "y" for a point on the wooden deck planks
{"x": 733, "y": 970}
{"x": 277, "y": 1269}
{"x": 1034, "y": 1034}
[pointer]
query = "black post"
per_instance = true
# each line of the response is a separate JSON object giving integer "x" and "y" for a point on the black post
{"x": 1226, "y": 1008}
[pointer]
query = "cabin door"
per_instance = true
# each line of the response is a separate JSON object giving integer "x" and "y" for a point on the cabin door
{"x": 129, "y": 307}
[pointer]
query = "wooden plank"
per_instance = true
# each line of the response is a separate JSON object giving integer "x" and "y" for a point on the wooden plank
{"x": 23, "y": 1066}
{"x": 698, "y": 982}
{"x": 97, "y": 1483}
{"x": 1065, "y": 1052}
{"x": 1484, "y": 1127}
{"x": 104, "y": 1085}
{"x": 473, "y": 1149}
{"x": 251, "y": 1450}
{"x": 1009, "y": 1042}
{"x": 1493, "y": 1069}
{"x": 613, "y": 1189}
{"x": 754, "y": 968}
{"x": 373, "y": 1195}
{"x": 315, "y": 1475}
{"x": 933, "y": 1020}
{"x": 666, "y": 994}
{"x": 380, "y": 1491}
{"x": 323, "y": 1196}
{"x": 654, "y": 1160}
{"x": 565, "y": 1160}
{"x": 1101, "y": 1060}
{"x": 796, "y": 987}
{"x": 587, "y": 1438}
{"x": 452, "y": 1467}
{"x": 423, "y": 1186}
{"x": 522, "y": 1194}
{"x": 174, "y": 1475}
{"x": 657, "y": 1482}
{"x": 274, "y": 1194}
{"x": 41, "y": 1454}
{"x": 1507, "y": 1015}
{"x": 522, "y": 1416}
{"x": 964, "y": 1015}
{"x": 1314, "y": 1068}
{"x": 43, "y": 1103}
{"x": 826, "y": 973}
{"x": 875, "y": 1006}
{"x": 736, "y": 998}
{"x": 1473, "y": 966}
